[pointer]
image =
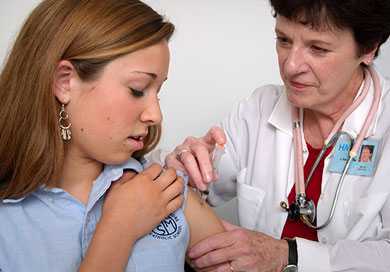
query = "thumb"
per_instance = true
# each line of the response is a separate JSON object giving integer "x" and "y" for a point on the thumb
{"x": 228, "y": 226}
{"x": 215, "y": 135}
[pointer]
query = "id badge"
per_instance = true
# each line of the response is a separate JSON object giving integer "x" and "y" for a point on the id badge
{"x": 363, "y": 164}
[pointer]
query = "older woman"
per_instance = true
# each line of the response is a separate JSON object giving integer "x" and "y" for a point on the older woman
{"x": 80, "y": 110}
{"x": 325, "y": 51}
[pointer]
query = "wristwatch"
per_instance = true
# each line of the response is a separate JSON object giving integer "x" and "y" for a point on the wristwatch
{"x": 290, "y": 268}
{"x": 292, "y": 265}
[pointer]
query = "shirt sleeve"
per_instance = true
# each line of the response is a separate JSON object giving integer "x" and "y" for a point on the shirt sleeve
{"x": 239, "y": 128}
{"x": 345, "y": 255}
{"x": 349, "y": 255}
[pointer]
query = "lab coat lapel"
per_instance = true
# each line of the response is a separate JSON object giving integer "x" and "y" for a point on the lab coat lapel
{"x": 284, "y": 156}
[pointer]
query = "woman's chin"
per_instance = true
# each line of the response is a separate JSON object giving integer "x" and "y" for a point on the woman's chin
{"x": 301, "y": 102}
{"x": 119, "y": 159}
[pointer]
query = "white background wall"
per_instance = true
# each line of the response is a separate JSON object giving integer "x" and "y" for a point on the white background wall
{"x": 221, "y": 51}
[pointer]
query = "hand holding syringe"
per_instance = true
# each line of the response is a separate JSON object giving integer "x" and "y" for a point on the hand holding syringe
{"x": 219, "y": 150}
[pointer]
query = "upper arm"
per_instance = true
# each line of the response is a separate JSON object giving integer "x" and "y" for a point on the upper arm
{"x": 202, "y": 220}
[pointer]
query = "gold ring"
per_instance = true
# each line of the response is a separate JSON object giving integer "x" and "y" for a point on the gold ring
{"x": 181, "y": 152}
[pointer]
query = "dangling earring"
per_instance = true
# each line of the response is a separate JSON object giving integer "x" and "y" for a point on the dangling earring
{"x": 368, "y": 61}
{"x": 65, "y": 125}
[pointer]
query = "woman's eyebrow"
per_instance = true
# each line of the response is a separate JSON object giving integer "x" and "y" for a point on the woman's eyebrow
{"x": 152, "y": 75}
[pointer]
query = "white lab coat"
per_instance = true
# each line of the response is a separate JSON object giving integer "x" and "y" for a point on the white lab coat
{"x": 258, "y": 169}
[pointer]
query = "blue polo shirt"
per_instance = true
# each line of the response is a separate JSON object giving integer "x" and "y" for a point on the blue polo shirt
{"x": 49, "y": 230}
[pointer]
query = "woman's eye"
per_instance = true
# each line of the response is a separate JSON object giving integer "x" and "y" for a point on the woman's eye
{"x": 282, "y": 40}
{"x": 320, "y": 50}
{"x": 136, "y": 93}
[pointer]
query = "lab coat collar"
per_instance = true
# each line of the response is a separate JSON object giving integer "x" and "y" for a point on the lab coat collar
{"x": 281, "y": 115}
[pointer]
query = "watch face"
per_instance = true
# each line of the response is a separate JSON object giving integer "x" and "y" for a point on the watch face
{"x": 290, "y": 268}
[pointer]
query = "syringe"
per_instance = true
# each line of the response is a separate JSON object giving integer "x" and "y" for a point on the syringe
{"x": 219, "y": 150}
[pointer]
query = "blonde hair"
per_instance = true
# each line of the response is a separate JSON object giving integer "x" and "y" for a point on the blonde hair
{"x": 90, "y": 34}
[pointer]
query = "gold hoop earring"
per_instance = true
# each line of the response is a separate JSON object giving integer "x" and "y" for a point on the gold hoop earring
{"x": 65, "y": 125}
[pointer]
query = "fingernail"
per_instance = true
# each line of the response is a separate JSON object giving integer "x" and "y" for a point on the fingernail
{"x": 208, "y": 177}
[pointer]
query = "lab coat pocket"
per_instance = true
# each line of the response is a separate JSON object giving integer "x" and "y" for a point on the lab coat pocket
{"x": 363, "y": 214}
{"x": 249, "y": 201}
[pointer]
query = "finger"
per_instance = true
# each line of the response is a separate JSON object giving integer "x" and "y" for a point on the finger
{"x": 215, "y": 268}
{"x": 225, "y": 267}
{"x": 153, "y": 171}
{"x": 175, "y": 204}
{"x": 215, "y": 135}
{"x": 193, "y": 170}
{"x": 217, "y": 241}
{"x": 173, "y": 190}
{"x": 172, "y": 161}
{"x": 214, "y": 258}
{"x": 203, "y": 157}
{"x": 166, "y": 178}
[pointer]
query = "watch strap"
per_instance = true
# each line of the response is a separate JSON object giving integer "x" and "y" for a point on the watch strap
{"x": 292, "y": 252}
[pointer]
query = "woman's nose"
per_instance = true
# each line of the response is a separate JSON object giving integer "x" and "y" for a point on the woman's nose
{"x": 152, "y": 112}
{"x": 295, "y": 62}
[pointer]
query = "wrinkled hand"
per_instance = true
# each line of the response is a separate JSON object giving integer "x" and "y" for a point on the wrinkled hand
{"x": 194, "y": 157}
{"x": 239, "y": 249}
{"x": 137, "y": 203}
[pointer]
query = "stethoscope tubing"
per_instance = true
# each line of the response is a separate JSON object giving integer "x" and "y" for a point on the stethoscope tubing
{"x": 306, "y": 220}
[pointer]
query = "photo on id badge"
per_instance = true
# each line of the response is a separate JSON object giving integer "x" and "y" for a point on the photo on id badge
{"x": 363, "y": 164}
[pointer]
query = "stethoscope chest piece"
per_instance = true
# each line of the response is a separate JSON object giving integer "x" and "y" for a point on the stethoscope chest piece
{"x": 302, "y": 208}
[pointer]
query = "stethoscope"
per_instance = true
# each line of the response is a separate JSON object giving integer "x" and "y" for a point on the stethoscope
{"x": 303, "y": 208}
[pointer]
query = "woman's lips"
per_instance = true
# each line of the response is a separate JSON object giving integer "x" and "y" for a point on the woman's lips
{"x": 298, "y": 85}
{"x": 136, "y": 143}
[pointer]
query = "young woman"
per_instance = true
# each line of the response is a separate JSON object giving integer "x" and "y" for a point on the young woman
{"x": 80, "y": 108}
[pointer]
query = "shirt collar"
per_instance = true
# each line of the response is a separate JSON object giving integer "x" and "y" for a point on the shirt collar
{"x": 281, "y": 118}
{"x": 114, "y": 172}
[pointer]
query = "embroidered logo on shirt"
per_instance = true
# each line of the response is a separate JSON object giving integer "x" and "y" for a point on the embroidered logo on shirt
{"x": 168, "y": 229}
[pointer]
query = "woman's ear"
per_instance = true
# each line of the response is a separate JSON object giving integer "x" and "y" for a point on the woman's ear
{"x": 368, "y": 58}
{"x": 63, "y": 76}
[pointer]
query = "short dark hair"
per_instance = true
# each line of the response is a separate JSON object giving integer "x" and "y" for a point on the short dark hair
{"x": 369, "y": 20}
{"x": 369, "y": 147}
